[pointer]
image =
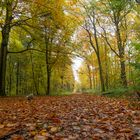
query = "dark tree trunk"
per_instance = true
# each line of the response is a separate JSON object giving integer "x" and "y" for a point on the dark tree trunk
{"x": 123, "y": 74}
{"x": 3, "y": 58}
{"x": 17, "y": 79}
{"x": 10, "y": 83}
{"x": 33, "y": 74}
{"x": 98, "y": 58}
{"x": 48, "y": 70}
{"x": 48, "y": 82}
{"x": 101, "y": 74}
{"x": 4, "y": 43}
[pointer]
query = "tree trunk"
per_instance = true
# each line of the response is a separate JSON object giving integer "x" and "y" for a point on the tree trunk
{"x": 48, "y": 70}
{"x": 98, "y": 57}
{"x": 48, "y": 82}
{"x": 17, "y": 79}
{"x": 89, "y": 76}
{"x": 33, "y": 75}
{"x": 106, "y": 68}
{"x": 3, "y": 58}
{"x": 123, "y": 73}
{"x": 4, "y": 43}
{"x": 121, "y": 54}
{"x": 101, "y": 74}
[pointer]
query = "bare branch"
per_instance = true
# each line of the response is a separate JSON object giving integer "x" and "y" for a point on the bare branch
{"x": 105, "y": 37}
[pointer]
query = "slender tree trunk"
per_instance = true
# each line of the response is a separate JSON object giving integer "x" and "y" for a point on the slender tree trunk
{"x": 94, "y": 80}
{"x": 10, "y": 75}
{"x": 89, "y": 76}
{"x": 48, "y": 82}
{"x": 62, "y": 82}
{"x": 17, "y": 79}
{"x": 33, "y": 74}
{"x": 106, "y": 68}
{"x": 48, "y": 70}
{"x": 10, "y": 83}
{"x": 98, "y": 57}
{"x": 101, "y": 74}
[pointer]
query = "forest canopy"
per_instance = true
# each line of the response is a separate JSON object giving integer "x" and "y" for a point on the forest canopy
{"x": 41, "y": 38}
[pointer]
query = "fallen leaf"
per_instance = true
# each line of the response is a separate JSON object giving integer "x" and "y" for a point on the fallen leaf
{"x": 17, "y": 137}
{"x": 1, "y": 126}
{"x": 39, "y": 137}
{"x": 54, "y": 129}
{"x": 125, "y": 130}
{"x": 11, "y": 124}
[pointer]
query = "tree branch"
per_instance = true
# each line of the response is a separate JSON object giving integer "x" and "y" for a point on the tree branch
{"x": 28, "y": 49}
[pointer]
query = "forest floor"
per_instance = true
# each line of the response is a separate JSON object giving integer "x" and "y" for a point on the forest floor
{"x": 75, "y": 117}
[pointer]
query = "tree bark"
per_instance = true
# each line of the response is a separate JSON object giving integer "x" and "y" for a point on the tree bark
{"x": 106, "y": 68}
{"x": 123, "y": 73}
{"x": 98, "y": 58}
{"x": 3, "y": 50}
{"x": 89, "y": 76}
{"x": 48, "y": 67}
{"x": 101, "y": 74}
{"x": 17, "y": 78}
{"x": 3, "y": 58}
{"x": 48, "y": 72}
{"x": 48, "y": 82}
{"x": 121, "y": 54}
{"x": 33, "y": 75}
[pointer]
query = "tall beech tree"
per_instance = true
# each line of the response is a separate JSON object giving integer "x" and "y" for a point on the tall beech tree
{"x": 90, "y": 27}
{"x": 116, "y": 13}
{"x": 7, "y": 6}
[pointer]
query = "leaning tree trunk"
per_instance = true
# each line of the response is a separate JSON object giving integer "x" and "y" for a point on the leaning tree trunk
{"x": 99, "y": 58}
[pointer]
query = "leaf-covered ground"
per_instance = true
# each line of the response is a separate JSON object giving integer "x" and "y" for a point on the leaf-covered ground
{"x": 76, "y": 117}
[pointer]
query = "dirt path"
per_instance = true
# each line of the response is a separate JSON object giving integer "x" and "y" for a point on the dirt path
{"x": 76, "y": 117}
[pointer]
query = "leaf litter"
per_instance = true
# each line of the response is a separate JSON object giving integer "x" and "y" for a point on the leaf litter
{"x": 75, "y": 117}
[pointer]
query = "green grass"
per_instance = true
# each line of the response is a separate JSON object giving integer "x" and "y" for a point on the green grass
{"x": 117, "y": 93}
{"x": 127, "y": 93}
{"x": 91, "y": 91}
{"x": 61, "y": 93}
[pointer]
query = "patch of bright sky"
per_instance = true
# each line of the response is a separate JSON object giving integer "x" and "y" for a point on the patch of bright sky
{"x": 77, "y": 62}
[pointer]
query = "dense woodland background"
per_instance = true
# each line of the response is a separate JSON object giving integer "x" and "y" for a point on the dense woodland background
{"x": 41, "y": 38}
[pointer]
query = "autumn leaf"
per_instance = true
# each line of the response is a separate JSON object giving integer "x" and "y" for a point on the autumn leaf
{"x": 1, "y": 126}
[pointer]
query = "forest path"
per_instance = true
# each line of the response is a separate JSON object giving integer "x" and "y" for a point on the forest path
{"x": 75, "y": 117}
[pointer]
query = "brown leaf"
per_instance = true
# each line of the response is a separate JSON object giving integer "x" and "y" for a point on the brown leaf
{"x": 39, "y": 137}
{"x": 125, "y": 130}
{"x": 1, "y": 126}
{"x": 17, "y": 137}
